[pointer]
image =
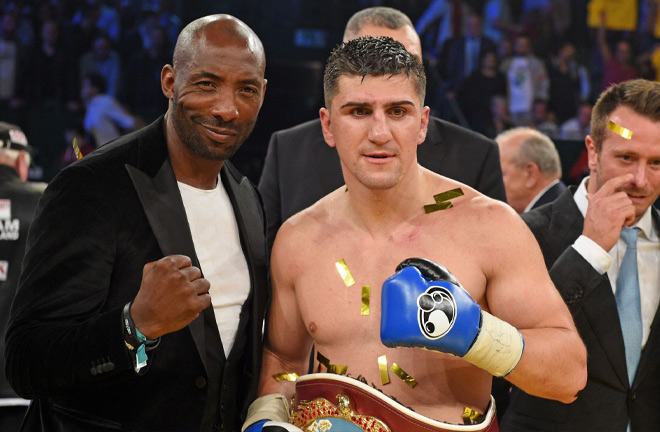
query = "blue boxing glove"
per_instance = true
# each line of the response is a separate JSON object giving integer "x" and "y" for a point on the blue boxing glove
{"x": 423, "y": 305}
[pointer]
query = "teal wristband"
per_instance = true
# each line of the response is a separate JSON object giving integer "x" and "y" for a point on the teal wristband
{"x": 136, "y": 341}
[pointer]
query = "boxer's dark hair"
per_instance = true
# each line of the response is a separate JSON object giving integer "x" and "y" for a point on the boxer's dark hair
{"x": 372, "y": 56}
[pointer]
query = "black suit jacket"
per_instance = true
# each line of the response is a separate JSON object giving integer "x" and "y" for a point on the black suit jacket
{"x": 99, "y": 222}
{"x": 300, "y": 168}
{"x": 550, "y": 195}
{"x": 608, "y": 401}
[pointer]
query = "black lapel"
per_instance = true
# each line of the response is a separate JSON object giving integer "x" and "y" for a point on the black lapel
{"x": 250, "y": 225}
{"x": 567, "y": 224}
{"x": 161, "y": 200}
{"x": 651, "y": 353}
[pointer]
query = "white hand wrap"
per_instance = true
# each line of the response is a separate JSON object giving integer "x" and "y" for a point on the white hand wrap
{"x": 498, "y": 347}
{"x": 268, "y": 407}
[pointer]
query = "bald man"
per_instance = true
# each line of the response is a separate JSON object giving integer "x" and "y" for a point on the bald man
{"x": 144, "y": 287}
{"x": 300, "y": 168}
{"x": 531, "y": 168}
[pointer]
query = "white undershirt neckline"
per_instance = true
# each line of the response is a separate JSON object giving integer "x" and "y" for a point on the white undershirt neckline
{"x": 218, "y": 247}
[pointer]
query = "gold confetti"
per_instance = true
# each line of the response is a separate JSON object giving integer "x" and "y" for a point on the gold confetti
{"x": 366, "y": 296}
{"x": 619, "y": 130}
{"x": 403, "y": 375}
{"x": 285, "y": 376}
{"x": 335, "y": 369}
{"x": 442, "y": 200}
{"x": 472, "y": 417}
{"x": 382, "y": 367}
{"x": 345, "y": 273}
{"x": 76, "y": 150}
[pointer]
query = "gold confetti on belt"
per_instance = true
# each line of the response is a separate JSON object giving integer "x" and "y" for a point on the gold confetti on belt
{"x": 442, "y": 200}
{"x": 619, "y": 130}
{"x": 332, "y": 368}
{"x": 285, "y": 376}
{"x": 403, "y": 375}
{"x": 345, "y": 273}
{"x": 471, "y": 417}
{"x": 382, "y": 367}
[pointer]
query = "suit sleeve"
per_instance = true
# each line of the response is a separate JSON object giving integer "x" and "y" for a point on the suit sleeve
{"x": 58, "y": 340}
{"x": 574, "y": 278}
{"x": 269, "y": 188}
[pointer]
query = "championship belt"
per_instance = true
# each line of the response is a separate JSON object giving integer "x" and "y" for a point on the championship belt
{"x": 330, "y": 402}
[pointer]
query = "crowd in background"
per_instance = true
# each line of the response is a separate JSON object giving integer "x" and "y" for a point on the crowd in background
{"x": 90, "y": 68}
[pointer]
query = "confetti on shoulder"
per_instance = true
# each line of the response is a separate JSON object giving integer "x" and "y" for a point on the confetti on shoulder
{"x": 442, "y": 200}
{"x": 286, "y": 376}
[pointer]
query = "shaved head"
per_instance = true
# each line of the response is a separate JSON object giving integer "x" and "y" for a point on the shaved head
{"x": 221, "y": 27}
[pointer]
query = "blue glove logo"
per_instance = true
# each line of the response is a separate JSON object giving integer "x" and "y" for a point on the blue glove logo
{"x": 437, "y": 312}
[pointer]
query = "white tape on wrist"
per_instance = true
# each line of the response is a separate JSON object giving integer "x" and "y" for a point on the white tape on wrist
{"x": 498, "y": 347}
{"x": 269, "y": 407}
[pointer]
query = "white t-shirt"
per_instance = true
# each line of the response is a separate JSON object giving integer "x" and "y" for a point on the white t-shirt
{"x": 218, "y": 246}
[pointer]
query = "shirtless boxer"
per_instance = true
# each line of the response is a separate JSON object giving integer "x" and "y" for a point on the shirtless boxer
{"x": 374, "y": 116}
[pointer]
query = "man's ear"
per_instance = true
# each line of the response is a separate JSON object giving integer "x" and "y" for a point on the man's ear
{"x": 592, "y": 153}
{"x": 533, "y": 173}
{"x": 167, "y": 76}
{"x": 324, "y": 113}
{"x": 424, "y": 125}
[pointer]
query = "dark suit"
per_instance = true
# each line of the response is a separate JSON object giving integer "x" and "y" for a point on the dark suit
{"x": 99, "y": 222}
{"x": 550, "y": 195}
{"x": 300, "y": 168}
{"x": 19, "y": 201}
{"x": 608, "y": 401}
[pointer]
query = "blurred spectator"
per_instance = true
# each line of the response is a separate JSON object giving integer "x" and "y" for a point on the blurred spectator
{"x": 460, "y": 55}
{"x": 527, "y": 81}
{"x": 46, "y": 72}
{"x": 24, "y": 33}
{"x": 79, "y": 36}
{"x": 569, "y": 83}
{"x": 105, "y": 18}
{"x": 105, "y": 61}
{"x": 531, "y": 168}
{"x": 439, "y": 22}
{"x": 543, "y": 120}
{"x": 477, "y": 91}
{"x": 501, "y": 120}
{"x": 143, "y": 94}
{"x": 578, "y": 127}
{"x": 18, "y": 201}
{"x": 617, "y": 66}
{"x": 9, "y": 59}
{"x": 105, "y": 118}
{"x": 498, "y": 20}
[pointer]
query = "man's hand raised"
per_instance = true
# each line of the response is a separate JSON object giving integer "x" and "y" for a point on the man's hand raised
{"x": 609, "y": 210}
{"x": 172, "y": 294}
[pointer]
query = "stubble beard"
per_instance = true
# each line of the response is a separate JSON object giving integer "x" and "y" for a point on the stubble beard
{"x": 192, "y": 139}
